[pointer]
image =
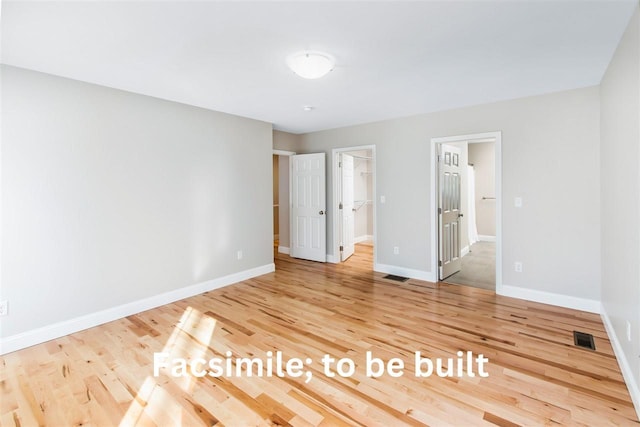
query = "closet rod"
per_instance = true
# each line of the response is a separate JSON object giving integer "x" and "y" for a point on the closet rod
{"x": 361, "y": 157}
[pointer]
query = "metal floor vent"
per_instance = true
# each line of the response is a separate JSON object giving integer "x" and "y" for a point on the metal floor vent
{"x": 396, "y": 278}
{"x": 584, "y": 340}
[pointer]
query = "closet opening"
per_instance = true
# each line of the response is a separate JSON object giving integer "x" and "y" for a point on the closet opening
{"x": 354, "y": 227}
{"x": 281, "y": 200}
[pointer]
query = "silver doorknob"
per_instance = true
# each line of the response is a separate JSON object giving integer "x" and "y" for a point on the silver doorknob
{"x": 321, "y": 212}
{"x": 459, "y": 215}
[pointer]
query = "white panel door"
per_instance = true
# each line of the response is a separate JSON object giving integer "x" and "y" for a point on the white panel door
{"x": 348, "y": 208}
{"x": 449, "y": 213}
{"x": 308, "y": 206}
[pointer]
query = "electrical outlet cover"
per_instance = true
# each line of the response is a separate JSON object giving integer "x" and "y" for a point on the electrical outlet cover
{"x": 518, "y": 202}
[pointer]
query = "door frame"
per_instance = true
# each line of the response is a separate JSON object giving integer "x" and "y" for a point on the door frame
{"x": 470, "y": 138}
{"x": 283, "y": 153}
{"x": 336, "y": 190}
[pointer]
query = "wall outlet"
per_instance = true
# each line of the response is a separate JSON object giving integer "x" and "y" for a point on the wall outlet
{"x": 517, "y": 202}
{"x": 517, "y": 266}
{"x": 628, "y": 331}
{"x": 4, "y": 308}
{"x": 396, "y": 250}
{"x": 239, "y": 255}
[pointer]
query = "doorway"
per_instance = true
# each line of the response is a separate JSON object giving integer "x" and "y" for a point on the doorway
{"x": 466, "y": 223}
{"x": 281, "y": 229}
{"x": 478, "y": 236}
{"x": 354, "y": 201}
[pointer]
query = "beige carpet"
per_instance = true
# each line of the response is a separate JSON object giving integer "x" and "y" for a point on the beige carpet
{"x": 478, "y": 267}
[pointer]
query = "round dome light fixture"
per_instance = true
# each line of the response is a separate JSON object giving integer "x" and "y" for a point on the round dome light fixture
{"x": 311, "y": 64}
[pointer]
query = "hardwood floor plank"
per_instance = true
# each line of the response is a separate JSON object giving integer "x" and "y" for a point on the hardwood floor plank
{"x": 494, "y": 419}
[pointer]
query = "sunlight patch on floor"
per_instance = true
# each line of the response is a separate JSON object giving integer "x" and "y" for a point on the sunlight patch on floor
{"x": 153, "y": 402}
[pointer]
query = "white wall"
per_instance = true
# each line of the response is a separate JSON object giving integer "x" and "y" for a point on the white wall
{"x": 286, "y": 141}
{"x": 482, "y": 156}
{"x": 550, "y": 148}
{"x": 620, "y": 210}
{"x": 109, "y": 197}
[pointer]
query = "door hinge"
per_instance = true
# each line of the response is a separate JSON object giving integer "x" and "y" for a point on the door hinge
{"x": 340, "y": 205}
{"x": 341, "y": 248}
{"x": 439, "y": 158}
{"x": 339, "y": 164}
{"x": 439, "y": 211}
{"x": 439, "y": 263}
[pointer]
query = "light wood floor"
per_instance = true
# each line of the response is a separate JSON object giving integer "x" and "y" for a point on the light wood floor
{"x": 104, "y": 376}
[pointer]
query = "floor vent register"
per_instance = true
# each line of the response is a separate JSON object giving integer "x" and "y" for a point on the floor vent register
{"x": 396, "y": 278}
{"x": 582, "y": 339}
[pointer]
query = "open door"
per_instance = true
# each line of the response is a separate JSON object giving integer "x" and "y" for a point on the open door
{"x": 308, "y": 207}
{"x": 347, "y": 208}
{"x": 449, "y": 213}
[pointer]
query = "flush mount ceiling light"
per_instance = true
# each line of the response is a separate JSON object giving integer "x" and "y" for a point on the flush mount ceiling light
{"x": 310, "y": 64}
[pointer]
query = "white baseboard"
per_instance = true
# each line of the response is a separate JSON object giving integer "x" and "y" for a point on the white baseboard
{"x": 484, "y": 238}
{"x": 464, "y": 251}
{"x": 363, "y": 238}
{"x": 333, "y": 259}
{"x": 584, "y": 304}
{"x": 283, "y": 250}
{"x": 627, "y": 374}
{"x": 66, "y": 327}
{"x": 405, "y": 272}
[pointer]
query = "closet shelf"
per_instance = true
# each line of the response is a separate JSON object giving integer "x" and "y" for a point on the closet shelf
{"x": 359, "y": 160}
{"x": 358, "y": 204}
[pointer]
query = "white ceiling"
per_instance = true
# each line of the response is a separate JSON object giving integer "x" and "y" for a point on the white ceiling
{"x": 394, "y": 58}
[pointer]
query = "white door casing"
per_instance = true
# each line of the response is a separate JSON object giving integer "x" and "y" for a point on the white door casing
{"x": 449, "y": 213}
{"x": 347, "y": 207}
{"x": 494, "y": 136}
{"x": 308, "y": 207}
